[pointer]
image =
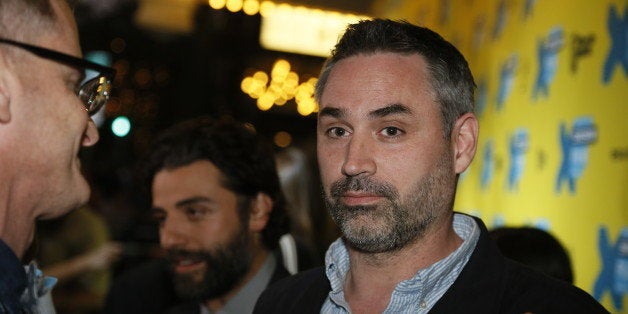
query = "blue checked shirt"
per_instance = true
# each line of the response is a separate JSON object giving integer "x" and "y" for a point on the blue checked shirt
{"x": 415, "y": 295}
{"x": 23, "y": 289}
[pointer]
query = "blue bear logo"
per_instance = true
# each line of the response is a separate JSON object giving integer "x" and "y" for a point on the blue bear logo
{"x": 488, "y": 166}
{"x": 618, "y": 54}
{"x": 481, "y": 98}
{"x": 519, "y": 143}
{"x": 507, "y": 79}
{"x": 501, "y": 19}
{"x": 575, "y": 148}
{"x": 499, "y": 220}
{"x": 614, "y": 274}
{"x": 527, "y": 9}
{"x": 548, "y": 61}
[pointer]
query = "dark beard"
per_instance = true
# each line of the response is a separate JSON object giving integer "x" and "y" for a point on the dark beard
{"x": 392, "y": 225}
{"x": 226, "y": 267}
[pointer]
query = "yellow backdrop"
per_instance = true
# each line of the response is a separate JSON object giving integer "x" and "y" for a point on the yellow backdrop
{"x": 553, "y": 106}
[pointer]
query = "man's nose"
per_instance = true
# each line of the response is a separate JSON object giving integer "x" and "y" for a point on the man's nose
{"x": 90, "y": 136}
{"x": 171, "y": 235}
{"x": 359, "y": 157}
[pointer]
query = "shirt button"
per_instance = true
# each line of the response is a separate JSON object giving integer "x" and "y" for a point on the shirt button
{"x": 422, "y": 304}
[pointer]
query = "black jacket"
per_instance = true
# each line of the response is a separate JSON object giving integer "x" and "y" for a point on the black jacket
{"x": 489, "y": 283}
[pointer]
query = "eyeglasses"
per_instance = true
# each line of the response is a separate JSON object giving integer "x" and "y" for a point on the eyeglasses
{"x": 95, "y": 92}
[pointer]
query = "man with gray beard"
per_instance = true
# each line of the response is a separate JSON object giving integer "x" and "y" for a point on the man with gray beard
{"x": 395, "y": 129}
{"x": 218, "y": 203}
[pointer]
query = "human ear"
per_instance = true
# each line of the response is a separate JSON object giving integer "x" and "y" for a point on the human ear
{"x": 261, "y": 207}
{"x": 464, "y": 138}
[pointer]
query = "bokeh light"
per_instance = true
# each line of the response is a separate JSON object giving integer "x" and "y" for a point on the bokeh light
{"x": 217, "y": 4}
{"x": 283, "y": 87}
{"x": 121, "y": 126}
{"x": 282, "y": 139}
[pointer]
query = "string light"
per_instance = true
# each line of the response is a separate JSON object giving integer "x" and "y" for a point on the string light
{"x": 282, "y": 139}
{"x": 217, "y": 4}
{"x": 234, "y": 5}
{"x": 250, "y": 7}
{"x": 266, "y": 7}
{"x": 282, "y": 87}
{"x": 282, "y": 84}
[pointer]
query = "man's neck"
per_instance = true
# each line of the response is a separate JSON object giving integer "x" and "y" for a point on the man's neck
{"x": 16, "y": 227}
{"x": 259, "y": 257}
{"x": 372, "y": 277}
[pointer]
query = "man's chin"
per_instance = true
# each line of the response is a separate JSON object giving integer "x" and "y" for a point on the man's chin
{"x": 78, "y": 198}
{"x": 190, "y": 284}
{"x": 61, "y": 210}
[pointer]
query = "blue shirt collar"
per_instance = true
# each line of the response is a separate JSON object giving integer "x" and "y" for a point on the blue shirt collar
{"x": 428, "y": 284}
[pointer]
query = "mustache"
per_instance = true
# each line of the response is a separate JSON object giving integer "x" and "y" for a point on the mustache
{"x": 174, "y": 255}
{"x": 363, "y": 184}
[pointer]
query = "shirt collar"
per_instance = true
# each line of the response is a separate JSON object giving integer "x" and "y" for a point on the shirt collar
{"x": 429, "y": 283}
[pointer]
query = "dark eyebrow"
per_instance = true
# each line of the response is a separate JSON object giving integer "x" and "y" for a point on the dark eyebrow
{"x": 389, "y": 110}
{"x": 193, "y": 200}
{"x": 331, "y": 112}
{"x": 182, "y": 203}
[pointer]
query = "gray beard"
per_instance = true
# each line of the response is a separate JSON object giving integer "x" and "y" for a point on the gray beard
{"x": 393, "y": 224}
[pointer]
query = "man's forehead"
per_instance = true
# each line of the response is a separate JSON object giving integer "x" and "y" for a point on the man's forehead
{"x": 63, "y": 35}
{"x": 371, "y": 85}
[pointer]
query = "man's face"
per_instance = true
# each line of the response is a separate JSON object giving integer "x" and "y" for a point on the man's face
{"x": 50, "y": 123}
{"x": 386, "y": 168}
{"x": 207, "y": 241}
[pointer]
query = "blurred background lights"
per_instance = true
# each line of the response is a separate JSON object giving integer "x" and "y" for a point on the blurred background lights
{"x": 250, "y": 7}
{"x": 121, "y": 126}
{"x": 217, "y": 4}
{"x": 302, "y": 30}
{"x": 283, "y": 87}
{"x": 234, "y": 5}
{"x": 265, "y": 101}
{"x": 117, "y": 45}
{"x": 293, "y": 28}
{"x": 280, "y": 70}
{"x": 266, "y": 7}
{"x": 282, "y": 139}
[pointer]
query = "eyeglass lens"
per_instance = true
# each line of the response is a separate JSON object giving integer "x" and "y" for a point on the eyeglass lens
{"x": 95, "y": 93}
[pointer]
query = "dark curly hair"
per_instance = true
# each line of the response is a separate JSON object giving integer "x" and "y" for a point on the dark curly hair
{"x": 245, "y": 160}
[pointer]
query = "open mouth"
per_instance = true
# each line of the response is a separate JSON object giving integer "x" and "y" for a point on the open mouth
{"x": 186, "y": 262}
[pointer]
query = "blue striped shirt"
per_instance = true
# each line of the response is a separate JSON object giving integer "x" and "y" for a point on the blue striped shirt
{"x": 415, "y": 295}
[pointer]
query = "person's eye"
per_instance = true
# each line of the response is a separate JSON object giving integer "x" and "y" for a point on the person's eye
{"x": 336, "y": 132}
{"x": 73, "y": 81}
{"x": 77, "y": 87}
{"x": 72, "y": 85}
{"x": 391, "y": 131}
{"x": 158, "y": 217}
{"x": 195, "y": 213}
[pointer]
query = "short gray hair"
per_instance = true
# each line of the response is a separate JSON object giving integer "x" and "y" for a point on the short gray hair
{"x": 24, "y": 19}
{"x": 451, "y": 78}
